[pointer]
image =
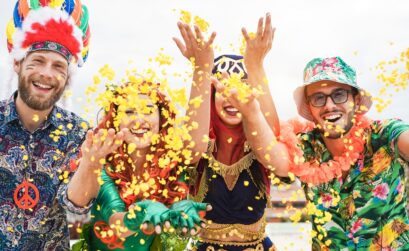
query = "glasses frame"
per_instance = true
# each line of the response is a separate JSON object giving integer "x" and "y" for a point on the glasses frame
{"x": 309, "y": 98}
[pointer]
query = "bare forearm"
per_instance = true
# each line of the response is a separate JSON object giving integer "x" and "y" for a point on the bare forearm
{"x": 257, "y": 77}
{"x": 201, "y": 89}
{"x": 84, "y": 185}
{"x": 268, "y": 151}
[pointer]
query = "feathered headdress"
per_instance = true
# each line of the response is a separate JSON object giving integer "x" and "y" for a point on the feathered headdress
{"x": 53, "y": 25}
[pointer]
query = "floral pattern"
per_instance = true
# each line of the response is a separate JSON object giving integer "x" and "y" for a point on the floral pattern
{"x": 370, "y": 213}
{"x": 41, "y": 159}
{"x": 334, "y": 69}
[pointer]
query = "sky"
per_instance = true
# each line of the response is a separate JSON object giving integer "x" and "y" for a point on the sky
{"x": 362, "y": 32}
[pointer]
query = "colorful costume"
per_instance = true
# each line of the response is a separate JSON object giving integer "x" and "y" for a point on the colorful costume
{"x": 122, "y": 188}
{"x": 43, "y": 161}
{"x": 237, "y": 191}
{"x": 108, "y": 202}
{"x": 369, "y": 208}
{"x": 365, "y": 210}
{"x": 35, "y": 167}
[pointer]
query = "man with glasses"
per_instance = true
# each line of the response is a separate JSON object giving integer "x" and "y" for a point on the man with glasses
{"x": 352, "y": 168}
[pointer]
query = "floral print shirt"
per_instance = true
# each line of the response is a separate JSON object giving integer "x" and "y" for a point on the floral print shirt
{"x": 366, "y": 211}
{"x": 42, "y": 158}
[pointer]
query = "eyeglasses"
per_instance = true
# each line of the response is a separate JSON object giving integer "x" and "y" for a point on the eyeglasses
{"x": 319, "y": 99}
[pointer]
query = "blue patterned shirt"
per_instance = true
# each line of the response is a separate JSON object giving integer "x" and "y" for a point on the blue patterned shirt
{"x": 42, "y": 158}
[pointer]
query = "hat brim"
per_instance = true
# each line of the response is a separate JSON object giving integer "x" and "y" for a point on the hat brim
{"x": 304, "y": 111}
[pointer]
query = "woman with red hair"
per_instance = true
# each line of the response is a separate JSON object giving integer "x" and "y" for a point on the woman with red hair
{"x": 139, "y": 179}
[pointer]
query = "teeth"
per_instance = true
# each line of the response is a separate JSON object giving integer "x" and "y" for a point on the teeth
{"x": 42, "y": 85}
{"x": 331, "y": 117}
{"x": 231, "y": 109}
{"x": 139, "y": 131}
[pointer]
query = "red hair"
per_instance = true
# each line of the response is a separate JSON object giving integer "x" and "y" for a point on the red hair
{"x": 176, "y": 190}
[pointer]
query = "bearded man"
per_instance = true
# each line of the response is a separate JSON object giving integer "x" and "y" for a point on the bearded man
{"x": 351, "y": 167}
{"x": 37, "y": 138}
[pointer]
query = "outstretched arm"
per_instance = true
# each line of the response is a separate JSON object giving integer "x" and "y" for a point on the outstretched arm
{"x": 84, "y": 185}
{"x": 269, "y": 152}
{"x": 257, "y": 47}
{"x": 200, "y": 52}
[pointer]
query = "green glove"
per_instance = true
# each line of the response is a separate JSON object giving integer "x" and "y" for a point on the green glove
{"x": 146, "y": 211}
{"x": 185, "y": 213}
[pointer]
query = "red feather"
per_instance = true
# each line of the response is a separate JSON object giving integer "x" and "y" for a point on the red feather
{"x": 44, "y": 2}
{"x": 54, "y": 31}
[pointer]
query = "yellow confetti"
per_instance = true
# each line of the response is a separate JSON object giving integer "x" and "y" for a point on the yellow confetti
{"x": 163, "y": 59}
{"x": 84, "y": 125}
{"x": 185, "y": 16}
{"x": 201, "y": 23}
{"x": 131, "y": 148}
{"x": 36, "y": 118}
{"x": 394, "y": 75}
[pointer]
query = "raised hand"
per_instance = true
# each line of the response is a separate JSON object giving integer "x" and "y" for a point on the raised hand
{"x": 194, "y": 46}
{"x": 200, "y": 52}
{"x": 246, "y": 107}
{"x": 98, "y": 145}
{"x": 259, "y": 45}
{"x": 257, "y": 48}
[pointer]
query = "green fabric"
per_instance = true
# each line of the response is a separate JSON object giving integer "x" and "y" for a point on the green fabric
{"x": 107, "y": 203}
{"x": 370, "y": 212}
{"x": 108, "y": 199}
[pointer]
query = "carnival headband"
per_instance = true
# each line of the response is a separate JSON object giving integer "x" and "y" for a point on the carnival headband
{"x": 60, "y": 27}
{"x": 229, "y": 64}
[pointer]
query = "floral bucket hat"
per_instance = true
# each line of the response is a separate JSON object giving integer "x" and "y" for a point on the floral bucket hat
{"x": 330, "y": 69}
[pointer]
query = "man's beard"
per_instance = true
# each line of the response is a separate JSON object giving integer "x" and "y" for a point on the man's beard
{"x": 33, "y": 102}
{"x": 332, "y": 134}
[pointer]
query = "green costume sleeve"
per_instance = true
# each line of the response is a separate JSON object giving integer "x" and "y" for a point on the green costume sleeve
{"x": 108, "y": 198}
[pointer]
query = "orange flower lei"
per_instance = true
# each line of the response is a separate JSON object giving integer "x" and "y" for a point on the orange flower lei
{"x": 313, "y": 172}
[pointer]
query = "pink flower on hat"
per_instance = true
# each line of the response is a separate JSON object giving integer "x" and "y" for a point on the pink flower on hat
{"x": 330, "y": 62}
{"x": 318, "y": 68}
{"x": 326, "y": 65}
